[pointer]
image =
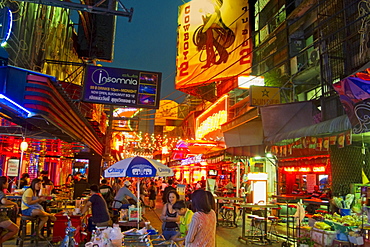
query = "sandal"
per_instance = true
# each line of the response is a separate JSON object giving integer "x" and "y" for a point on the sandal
{"x": 53, "y": 218}
{"x": 40, "y": 237}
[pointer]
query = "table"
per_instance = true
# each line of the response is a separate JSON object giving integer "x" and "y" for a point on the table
{"x": 218, "y": 198}
{"x": 131, "y": 224}
{"x": 318, "y": 202}
{"x": 290, "y": 198}
{"x": 260, "y": 206}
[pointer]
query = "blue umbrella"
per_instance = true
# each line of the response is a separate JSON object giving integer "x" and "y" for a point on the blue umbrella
{"x": 138, "y": 167}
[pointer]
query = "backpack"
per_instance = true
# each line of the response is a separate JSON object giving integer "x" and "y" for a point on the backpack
{"x": 107, "y": 194}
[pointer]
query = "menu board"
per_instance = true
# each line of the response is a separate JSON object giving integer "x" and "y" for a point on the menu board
{"x": 311, "y": 182}
{"x": 13, "y": 166}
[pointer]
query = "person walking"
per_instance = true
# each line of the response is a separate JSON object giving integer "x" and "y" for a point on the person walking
{"x": 152, "y": 195}
{"x": 202, "y": 228}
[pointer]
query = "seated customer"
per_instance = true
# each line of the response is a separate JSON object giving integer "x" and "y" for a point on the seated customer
{"x": 120, "y": 200}
{"x": 296, "y": 190}
{"x": 31, "y": 204}
{"x": 316, "y": 194}
{"x": 5, "y": 222}
{"x": 100, "y": 214}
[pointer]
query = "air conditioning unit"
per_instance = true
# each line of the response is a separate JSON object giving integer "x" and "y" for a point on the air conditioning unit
{"x": 313, "y": 57}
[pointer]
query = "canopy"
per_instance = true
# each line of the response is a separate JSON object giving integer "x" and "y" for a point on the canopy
{"x": 138, "y": 167}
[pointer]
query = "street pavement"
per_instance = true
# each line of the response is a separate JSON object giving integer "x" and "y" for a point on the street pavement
{"x": 225, "y": 235}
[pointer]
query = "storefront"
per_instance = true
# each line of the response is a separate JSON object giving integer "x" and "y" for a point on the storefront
{"x": 36, "y": 111}
{"x": 306, "y": 172}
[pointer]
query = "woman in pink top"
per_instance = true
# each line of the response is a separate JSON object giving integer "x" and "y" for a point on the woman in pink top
{"x": 202, "y": 229}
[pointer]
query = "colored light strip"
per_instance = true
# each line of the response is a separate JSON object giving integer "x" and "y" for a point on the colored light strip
{"x": 16, "y": 107}
{"x": 9, "y": 27}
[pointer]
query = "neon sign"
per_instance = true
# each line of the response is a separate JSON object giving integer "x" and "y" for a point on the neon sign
{"x": 192, "y": 160}
{"x": 6, "y": 17}
{"x": 212, "y": 118}
{"x": 305, "y": 169}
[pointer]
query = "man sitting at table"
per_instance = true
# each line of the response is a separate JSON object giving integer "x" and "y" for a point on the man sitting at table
{"x": 100, "y": 214}
{"x": 296, "y": 190}
{"x": 316, "y": 194}
{"x": 120, "y": 200}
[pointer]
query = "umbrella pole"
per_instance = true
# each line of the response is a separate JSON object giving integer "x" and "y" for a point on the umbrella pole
{"x": 138, "y": 203}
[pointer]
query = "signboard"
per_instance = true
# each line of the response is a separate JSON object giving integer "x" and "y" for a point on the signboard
{"x": 212, "y": 118}
{"x": 311, "y": 182}
{"x": 124, "y": 87}
{"x": 262, "y": 96}
{"x": 13, "y": 166}
{"x": 214, "y": 42}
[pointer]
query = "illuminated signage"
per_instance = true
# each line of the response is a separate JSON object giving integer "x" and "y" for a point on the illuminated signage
{"x": 257, "y": 176}
{"x": 305, "y": 169}
{"x": 124, "y": 87}
{"x": 213, "y": 42}
{"x": 261, "y": 96}
{"x": 6, "y": 19}
{"x": 212, "y": 118}
{"x": 192, "y": 160}
{"x": 248, "y": 81}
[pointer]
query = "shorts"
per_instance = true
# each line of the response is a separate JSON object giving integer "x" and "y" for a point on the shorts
{"x": 6, "y": 223}
{"x": 169, "y": 234}
{"x": 27, "y": 212}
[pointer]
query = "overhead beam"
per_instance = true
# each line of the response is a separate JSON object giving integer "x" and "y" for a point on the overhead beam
{"x": 87, "y": 8}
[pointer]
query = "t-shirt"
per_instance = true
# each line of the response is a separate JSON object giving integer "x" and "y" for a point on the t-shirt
{"x": 3, "y": 215}
{"x": 316, "y": 194}
{"x": 99, "y": 209}
{"x": 185, "y": 222}
{"x": 27, "y": 193}
{"x": 202, "y": 230}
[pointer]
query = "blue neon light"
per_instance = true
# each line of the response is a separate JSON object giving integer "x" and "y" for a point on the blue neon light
{"x": 6, "y": 101}
{"x": 8, "y": 24}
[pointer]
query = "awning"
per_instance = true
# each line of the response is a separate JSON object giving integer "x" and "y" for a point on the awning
{"x": 326, "y": 128}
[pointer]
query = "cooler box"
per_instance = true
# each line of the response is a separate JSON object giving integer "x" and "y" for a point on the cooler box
{"x": 322, "y": 237}
{"x": 62, "y": 222}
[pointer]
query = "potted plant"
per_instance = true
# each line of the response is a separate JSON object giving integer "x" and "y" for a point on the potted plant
{"x": 305, "y": 241}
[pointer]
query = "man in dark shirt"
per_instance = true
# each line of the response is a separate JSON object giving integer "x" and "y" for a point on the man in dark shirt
{"x": 107, "y": 192}
{"x": 166, "y": 190}
{"x": 100, "y": 215}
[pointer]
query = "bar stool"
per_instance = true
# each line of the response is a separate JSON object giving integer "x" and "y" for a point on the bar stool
{"x": 272, "y": 230}
{"x": 22, "y": 234}
{"x": 252, "y": 229}
{"x": 260, "y": 221}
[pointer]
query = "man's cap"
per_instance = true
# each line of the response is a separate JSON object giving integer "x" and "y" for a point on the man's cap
{"x": 127, "y": 183}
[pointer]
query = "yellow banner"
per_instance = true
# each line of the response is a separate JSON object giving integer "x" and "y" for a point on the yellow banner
{"x": 213, "y": 41}
{"x": 261, "y": 96}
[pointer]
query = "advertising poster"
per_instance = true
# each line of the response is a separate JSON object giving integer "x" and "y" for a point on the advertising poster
{"x": 13, "y": 166}
{"x": 311, "y": 182}
{"x": 213, "y": 42}
{"x": 124, "y": 87}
